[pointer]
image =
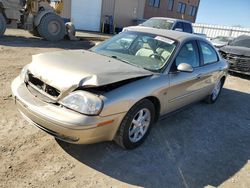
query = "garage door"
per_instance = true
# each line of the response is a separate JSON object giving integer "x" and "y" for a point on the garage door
{"x": 86, "y": 14}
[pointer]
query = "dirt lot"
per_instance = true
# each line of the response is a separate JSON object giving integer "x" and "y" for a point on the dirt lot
{"x": 204, "y": 145}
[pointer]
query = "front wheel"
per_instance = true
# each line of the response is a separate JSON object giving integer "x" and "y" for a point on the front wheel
{"x": 51, "y": 27}
{"x": 212, "y": 98}
{"x": 136, "y": 125}
{"x": 2, "y": 25}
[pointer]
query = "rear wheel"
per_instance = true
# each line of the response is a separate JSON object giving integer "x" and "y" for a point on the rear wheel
{"x": 51, "y": 27}
{"x": 136, "y": 125}
{"x": 2, "y": 24}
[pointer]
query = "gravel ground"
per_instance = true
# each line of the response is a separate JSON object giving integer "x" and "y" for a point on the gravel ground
{"x": 203, "y": 145}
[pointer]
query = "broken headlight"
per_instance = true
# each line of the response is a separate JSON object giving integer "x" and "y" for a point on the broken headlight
{"x": 23, "y": 74}
{"x": 83, "y": 102}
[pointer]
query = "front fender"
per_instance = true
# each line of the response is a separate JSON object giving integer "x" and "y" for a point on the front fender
{"x": 123, "y": 98}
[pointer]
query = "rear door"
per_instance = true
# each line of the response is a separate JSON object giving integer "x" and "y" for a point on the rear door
{"x": 211, "y": 70}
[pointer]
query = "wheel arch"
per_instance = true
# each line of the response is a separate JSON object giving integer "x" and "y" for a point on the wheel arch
{"x": 157, "y": 105}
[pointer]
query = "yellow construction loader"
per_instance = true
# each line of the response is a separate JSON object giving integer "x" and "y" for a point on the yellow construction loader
{"x": 36, "y": 16}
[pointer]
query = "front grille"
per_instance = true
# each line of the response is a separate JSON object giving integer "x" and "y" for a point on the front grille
{"x": 42, "y": 86}
{"x": 239, "y": 63}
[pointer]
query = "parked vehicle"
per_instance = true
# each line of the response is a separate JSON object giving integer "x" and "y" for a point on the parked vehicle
{"x": 168, "y": 23}
{"x": 221, "y": 41}
{"x": 237, "y": 53}
{"x": 119, "y": 88}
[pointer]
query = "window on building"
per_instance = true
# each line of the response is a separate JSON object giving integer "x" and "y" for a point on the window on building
{"x": 170, "y": 4}
{"x": 181, "y": 8}
{"x": 192, "y": 10}
{"x": 154, "y": 3}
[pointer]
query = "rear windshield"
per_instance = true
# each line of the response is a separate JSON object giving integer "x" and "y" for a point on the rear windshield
{"x": 243, "y": 41}
{"x": 158, "y": 23}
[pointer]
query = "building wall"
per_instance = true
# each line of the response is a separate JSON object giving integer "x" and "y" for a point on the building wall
{"x": 66, "y": 13}
{"x": 162, "y": 10}
{"x": 124, "y": 12}
{"x": 127, "y": 11}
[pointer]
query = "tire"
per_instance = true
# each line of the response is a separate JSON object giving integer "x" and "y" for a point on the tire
{"x": 51, "y": 27}
{"x": 212, "y": 98}
{"x": 125, "y": 136}
{"x": 2, "y": 25}
{"x": 34, "y": 32}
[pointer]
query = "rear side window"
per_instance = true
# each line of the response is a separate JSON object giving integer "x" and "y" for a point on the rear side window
{"x": 209, "y": 54}
{"x": 187, "y": 27}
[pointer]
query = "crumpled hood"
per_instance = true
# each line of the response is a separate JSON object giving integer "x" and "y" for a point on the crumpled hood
{"x": 69, "y": 69}
{"x": 237, "y": 50}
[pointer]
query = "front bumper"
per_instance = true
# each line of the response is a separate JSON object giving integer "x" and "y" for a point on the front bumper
{"x": 63, "y": 123}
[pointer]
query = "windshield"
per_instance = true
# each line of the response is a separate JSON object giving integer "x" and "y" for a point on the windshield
{"x": 243, "y": 41}
{"x": 158, "y": 23}
{"x": 143, "y": 50}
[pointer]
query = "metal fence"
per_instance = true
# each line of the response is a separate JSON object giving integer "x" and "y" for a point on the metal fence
{"x": 216, "y": 30}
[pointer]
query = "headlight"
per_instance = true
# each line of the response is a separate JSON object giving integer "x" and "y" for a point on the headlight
{"x": 23, "y": 74}
{"x": 83, "y": 102}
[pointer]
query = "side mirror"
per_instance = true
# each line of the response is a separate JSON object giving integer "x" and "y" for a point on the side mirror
{"x": 178, "y": 29}
{"x": 184, "y": 67}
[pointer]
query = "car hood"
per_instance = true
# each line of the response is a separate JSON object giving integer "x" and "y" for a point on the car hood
{"x": 67, "y": 70}
{"x": 237, "y": 50}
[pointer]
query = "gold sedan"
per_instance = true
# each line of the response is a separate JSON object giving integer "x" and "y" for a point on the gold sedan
{"x": 119, "y": 88}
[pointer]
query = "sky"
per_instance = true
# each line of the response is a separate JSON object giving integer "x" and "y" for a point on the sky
{"x": 224, "y": 12}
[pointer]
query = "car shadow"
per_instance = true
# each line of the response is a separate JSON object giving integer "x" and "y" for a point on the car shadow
{"x": 199, "y": 146}
{"x": 21, "y": 41}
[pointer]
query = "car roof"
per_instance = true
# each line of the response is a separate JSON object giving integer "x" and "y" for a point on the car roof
{"x": 176, "y": 35}
{"x": 172, "y": 19}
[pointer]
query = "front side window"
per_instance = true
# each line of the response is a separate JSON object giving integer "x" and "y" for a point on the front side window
{"x": 209, "y": 54}
{"x": 188, "y": 54}
{"x": 181, "y": 8}
{"x": 143, "y": 50}
{"x": 154, "y": 3}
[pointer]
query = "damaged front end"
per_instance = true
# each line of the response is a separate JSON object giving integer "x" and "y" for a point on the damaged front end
{"x": 237, "y": 63}
{"x": 82, "y": 97}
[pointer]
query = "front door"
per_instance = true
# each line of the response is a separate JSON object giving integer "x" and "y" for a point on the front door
{"x": 185, "y": 87}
